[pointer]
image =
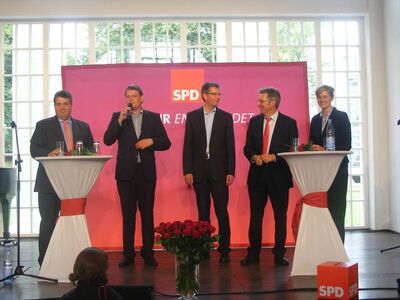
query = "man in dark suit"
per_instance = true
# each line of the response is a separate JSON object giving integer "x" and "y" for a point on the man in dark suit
{"x": 268, "y": 133}
{"x": 341, "y": 123}
{"x": 139, "y": 133}
{"x": 209, "y": 161}
{"x": 61, "y": 127}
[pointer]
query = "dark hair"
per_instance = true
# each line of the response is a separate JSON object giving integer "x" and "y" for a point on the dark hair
{"x": 90, "y": 265}
{"x": 273, "y": 94}
{"x": 134, "y": 87}
{"x": 63, "y": 94}
{"x": 206, "y": 87}
{"x": 325, "y": 88}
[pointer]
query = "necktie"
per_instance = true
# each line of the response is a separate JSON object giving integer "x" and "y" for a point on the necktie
{"x": 266, "y": 135}
{"x": 68, "y": 136}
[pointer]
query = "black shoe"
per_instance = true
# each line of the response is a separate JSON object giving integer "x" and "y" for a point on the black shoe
{"x": 126, "y": 262}
{"x": 150, "y": 261}
{"x": 224, "y": 258}
{"x": 281, "y": 261}
{"x": 249, "y": 260}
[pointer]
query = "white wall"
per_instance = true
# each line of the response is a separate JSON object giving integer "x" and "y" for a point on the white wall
{"x": 382, "y": 40}
{"x": 392, "y": 43}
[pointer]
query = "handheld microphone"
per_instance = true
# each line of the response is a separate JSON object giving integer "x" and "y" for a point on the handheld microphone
{"x": 398, "y": 122}
{"x": 129, "y": 112}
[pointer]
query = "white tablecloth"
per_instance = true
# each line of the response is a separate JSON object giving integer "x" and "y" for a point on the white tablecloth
{"x": 72, "y": 177}
{"x": 318, "y": 240}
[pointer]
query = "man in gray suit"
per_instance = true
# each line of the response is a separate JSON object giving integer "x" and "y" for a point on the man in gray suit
{"x": 61, "y": 127}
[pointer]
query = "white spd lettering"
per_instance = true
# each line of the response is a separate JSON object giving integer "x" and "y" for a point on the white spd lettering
{"x": 329, "y": 291}
{"x": 183, "y": 95}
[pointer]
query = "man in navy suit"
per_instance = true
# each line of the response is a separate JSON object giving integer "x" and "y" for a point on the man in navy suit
{"x": 268, "y": 133}
{"x": 209, "y": 161}
{"x": 341, "y": 123}
{"x": 61, "y": 127}
{"x": 139, "y": 134}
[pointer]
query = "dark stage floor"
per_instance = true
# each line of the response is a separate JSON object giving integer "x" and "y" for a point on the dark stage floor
{"x": 376, "y": 270}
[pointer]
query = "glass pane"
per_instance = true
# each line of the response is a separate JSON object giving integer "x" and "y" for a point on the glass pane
{"x": 160, "y": 30}
{"x": 115, "y": 56}
{"x": 101, "y": 38}
{"x": 358, "y": 214}
{"x": 25, "y": 186}
{"x": 295, "y": 33}
{"x": 206, "y": 33}
{"x": 8, "y": 141}
{"x": 55, "y": 36}
{"x": 129, "y": 34}
{"x": 8, "y": 62}
{"x": 237, "y": 54}
{"x": 355, "y": 110}
{"x": 36, "y": 62}
{"x": 25, "y": 220}
{"x": 263, "y": 33}
{"x": 147, "y": 55}
{"x": 341, "y": 103}
{"x": 354, "y": 84}
{"x": 24, "y": 136}
{"x": 37, "y": 36}
{"x": 69, "y": 35}
{"x": 36, "y": 113}
{"x": 356, "y": 136}
{"x": 356, "y": 188}
{"x": 82, "y": 35}
{"x": 354, "y": 58}
{"x": 22, "y": 36}
{"x": 22, "y": 88}
{"x": 282, "y": 34}
{"x": 341, "y": 84}
{"x": 176, "y": 55}
{"x": 22, "y": 61}
{"x": 265, "y": 54}
{"x": 237, "y": 33}
{"x": 221, "y": 34}
{"x": 55, "y": 61}
{"x": 352, "y": 33}
{"x": 8, "y": 116}
{"x": 8, "y": 36}
{"x": 129, "y": 55}
{"x": 36, "y": 88}
{"x": 82, "y": 56}
{"x": 54, "y": 86}
{"x": 327, "y": 61}
{"x": 308, "y": 33}
{"x": 192, "y": 34}
{"x": 68, "y": 57}
{"x": 340, "y": 59}
{"x": 221, "y": 55}
{"x": 355, "y": 159}
{"x": 339, "y": 28}
{"x": 174, "y": 34}
{"x": 147, "y": 34}
{"x": 22, "y": 114}
{"x": 251, "y": 54}
{"x": 35, "y": 220}
{"x": 310, "y": 57}
{"x": 8, "y": 88}
{"x": 115, "y": 34}
{"x": 251, "y": 33}
{"x": 326, "y": 33}
{"x": 328, "y": 78}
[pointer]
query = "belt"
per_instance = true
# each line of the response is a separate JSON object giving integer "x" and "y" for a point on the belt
{"x": 207, "y": 155}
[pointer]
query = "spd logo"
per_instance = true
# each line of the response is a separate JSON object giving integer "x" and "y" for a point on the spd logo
{"x": 186, "y": 85}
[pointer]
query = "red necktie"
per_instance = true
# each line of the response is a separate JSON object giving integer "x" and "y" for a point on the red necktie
{"x": 68, "y": 136}
{"x": 266, "y": 135}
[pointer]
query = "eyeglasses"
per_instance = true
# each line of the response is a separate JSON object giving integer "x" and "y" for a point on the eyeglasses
{"x": 263, "y": 101}
{"x": 215, "y": 94}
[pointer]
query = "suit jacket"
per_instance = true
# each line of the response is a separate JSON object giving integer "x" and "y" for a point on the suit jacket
{"x": 281, "y": 140}
{"x": 127, "y": 156}
{"x": 221, "y": 148}
{"x": 47, "y": 133}
{"x": 341, "y": 124}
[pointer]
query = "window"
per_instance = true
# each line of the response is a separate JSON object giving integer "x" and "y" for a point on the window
{"x": 32, "y": 55}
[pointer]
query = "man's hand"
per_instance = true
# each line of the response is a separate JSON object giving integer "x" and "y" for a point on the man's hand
{"x": 229, "y": 179}
{"x": 143, "y": 144}
{"x": 267, "y": 158}
{"x": 55, "y": 152}
{"x": 257, "y": 160}
{"x": 317, "y": 148}
{"x": 189, "y": 179}
{"x": 122, "y": 115}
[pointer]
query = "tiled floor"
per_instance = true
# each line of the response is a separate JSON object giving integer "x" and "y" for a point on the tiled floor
{"x": 230, "y": 281}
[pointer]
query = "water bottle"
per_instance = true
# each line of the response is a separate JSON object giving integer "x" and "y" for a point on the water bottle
{"x": 330, "y": 136}
{"x": 7, "y": 268}
{"x": 79, "y": 147}
{"x": 96, "y": 147}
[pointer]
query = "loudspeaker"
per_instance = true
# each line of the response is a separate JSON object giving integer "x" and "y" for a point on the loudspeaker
{"x": 142, "y": 292}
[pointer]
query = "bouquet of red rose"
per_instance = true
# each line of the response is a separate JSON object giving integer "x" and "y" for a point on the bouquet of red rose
{"x": 188, "y": 240}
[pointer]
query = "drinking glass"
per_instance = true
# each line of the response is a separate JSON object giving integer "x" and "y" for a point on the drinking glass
{"x": 295, "y": 144}
{"x": 60, "y": 148}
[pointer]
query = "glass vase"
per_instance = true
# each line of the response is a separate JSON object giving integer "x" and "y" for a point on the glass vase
{"x": 186, "y": 277}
